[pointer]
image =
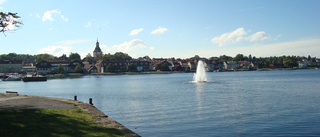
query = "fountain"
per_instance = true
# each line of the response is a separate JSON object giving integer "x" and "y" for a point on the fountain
{"x": 200, "y": 75}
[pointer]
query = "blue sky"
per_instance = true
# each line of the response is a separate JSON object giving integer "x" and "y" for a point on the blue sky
{"x": 165, "y": 28}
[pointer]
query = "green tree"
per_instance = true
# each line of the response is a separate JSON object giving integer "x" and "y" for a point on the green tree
{"x": 60, "y": 68}
{"x": 250, "y": 58}
{"x": 290, "y": 61}
{"x": 131, "y": 67}
{"x": 9, "y": 21}
{"x": 225, "y": 58}
{"x": 196, "y": 57}
{"x": 74, "y": 56}
{"x": 239, "y": 57}
{"x": 111, "y": 67}
{"x": 121, "y": 56}
{"x": 41, "y": 57}
{"x": 165, "y": 67}
{"x": 79, "y": 68}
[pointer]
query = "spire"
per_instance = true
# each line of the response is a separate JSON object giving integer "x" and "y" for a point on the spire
{"x": 97, "y": 49}
{"x": 97, "y": 43}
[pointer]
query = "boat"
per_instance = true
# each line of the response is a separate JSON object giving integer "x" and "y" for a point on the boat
{"x": 11, "y": 77}
{"x": 29, "y": 78}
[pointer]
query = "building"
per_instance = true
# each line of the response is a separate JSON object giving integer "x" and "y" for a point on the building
{"x": 43, "y": 67}
{"x": 51, "y": 66}
{"x": 10, "y": 66}
{"x": 304, "y": 64}
{"x": 231, "y": 65}
{"x": 97, "y": 51}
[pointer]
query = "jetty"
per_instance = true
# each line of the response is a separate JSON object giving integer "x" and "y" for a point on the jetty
{"x": 10, "y": 101}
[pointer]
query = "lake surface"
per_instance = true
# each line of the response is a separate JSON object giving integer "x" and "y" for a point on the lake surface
{"x": 255, "y": 103}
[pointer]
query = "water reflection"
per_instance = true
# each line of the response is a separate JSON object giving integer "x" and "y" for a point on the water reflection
{"x": 200, "y": 87}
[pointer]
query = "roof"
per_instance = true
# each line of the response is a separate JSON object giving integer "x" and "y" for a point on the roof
{"x": 97, "y": 49}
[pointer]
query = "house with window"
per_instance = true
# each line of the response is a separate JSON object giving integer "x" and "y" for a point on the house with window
{"x": 231, "y": 65}
{"x": 51, "y": 66}
{"x": 163, "y": 66}
{"x": 43, "y": 67}
{"x": 185, "y": 65}
{"x": 10, "y": 66}
{"x": 304, "y": 64}
{"x": 142, "y": 65}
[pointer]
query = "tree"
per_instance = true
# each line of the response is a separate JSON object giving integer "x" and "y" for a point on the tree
{"x": 74, "y": 56}
{"x": 89, "y": 58}
{"x": 197, "y": 57}
{"x": 250, "y": 58}
{"x": 118, "y": 56}
{"x": 78, "y": 68}
{"x": 165, "y": 67}
{"x": 60, "y": 68}
{"x": 111, "y": 67}
{"x": 9, "y": 21}
{"x": 239, "y": 57}
{"x": 41, "y": 57}
{"x": 131, "y": 67}
{"x": 225, "y": 58}
{"x": 290, "y": 61}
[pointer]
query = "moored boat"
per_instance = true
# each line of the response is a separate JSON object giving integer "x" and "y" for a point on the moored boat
{"x": 11, "y": 77}
{"x": 34, "y": 78}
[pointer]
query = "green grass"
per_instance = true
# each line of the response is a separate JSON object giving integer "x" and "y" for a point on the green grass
{"x": 51, "y": 122}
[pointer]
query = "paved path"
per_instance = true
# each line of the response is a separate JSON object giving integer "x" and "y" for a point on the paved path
{"x": 13, "y": 101}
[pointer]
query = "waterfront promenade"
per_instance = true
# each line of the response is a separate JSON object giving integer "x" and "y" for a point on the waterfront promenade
{"x": 14, "y": 101}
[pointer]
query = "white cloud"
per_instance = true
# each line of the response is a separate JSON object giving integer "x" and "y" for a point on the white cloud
{"x": 49, "y": 15}
{"x": 65, "y": 19}
{"x": 55, "y": 50}
{"x": 302, "y": 47}
{"x": 135, "y": 31}
{"x": 259, "y": 36}
{"x": 159, "y": 30}
{"x": 104, "y": 48}
{"x": 126, "y": 47}
{"x": 239, "y": 35}
{"x": 88, "y": 25}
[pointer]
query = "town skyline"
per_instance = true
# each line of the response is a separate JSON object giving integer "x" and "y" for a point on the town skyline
{"x": 165, "y": 29}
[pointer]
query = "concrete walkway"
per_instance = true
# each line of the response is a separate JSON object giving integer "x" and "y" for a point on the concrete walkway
{"x": 11, "y": 101}
{"x": 14, "y": 101}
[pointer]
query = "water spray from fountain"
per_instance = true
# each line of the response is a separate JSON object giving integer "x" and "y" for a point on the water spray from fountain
{"x": 201, "y": 74}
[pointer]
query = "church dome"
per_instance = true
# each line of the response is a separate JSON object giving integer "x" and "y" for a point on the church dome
{"x": 97, "y": 49}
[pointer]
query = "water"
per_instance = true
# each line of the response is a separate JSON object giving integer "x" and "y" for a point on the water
{"x": 201, "y": 74}
{"x": 255, "y": 103}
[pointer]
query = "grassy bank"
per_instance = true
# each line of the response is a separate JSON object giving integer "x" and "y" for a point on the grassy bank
{"x": 51, "y": 122}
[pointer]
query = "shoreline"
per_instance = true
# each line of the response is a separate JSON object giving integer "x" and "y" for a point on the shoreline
{"x": 77, "y": 75}
{"x": 98, "y": 116}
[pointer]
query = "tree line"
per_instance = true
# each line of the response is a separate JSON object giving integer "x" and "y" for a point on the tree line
{"x": 272, "y": 61}
{"x": 118, "y": 56}
{"x": 261, "y": 62}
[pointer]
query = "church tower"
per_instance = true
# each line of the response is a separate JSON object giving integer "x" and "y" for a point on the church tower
{"x": 97, "y": 51}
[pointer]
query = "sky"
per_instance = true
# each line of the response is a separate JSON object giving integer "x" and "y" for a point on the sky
{"x": 165, "y": 28}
